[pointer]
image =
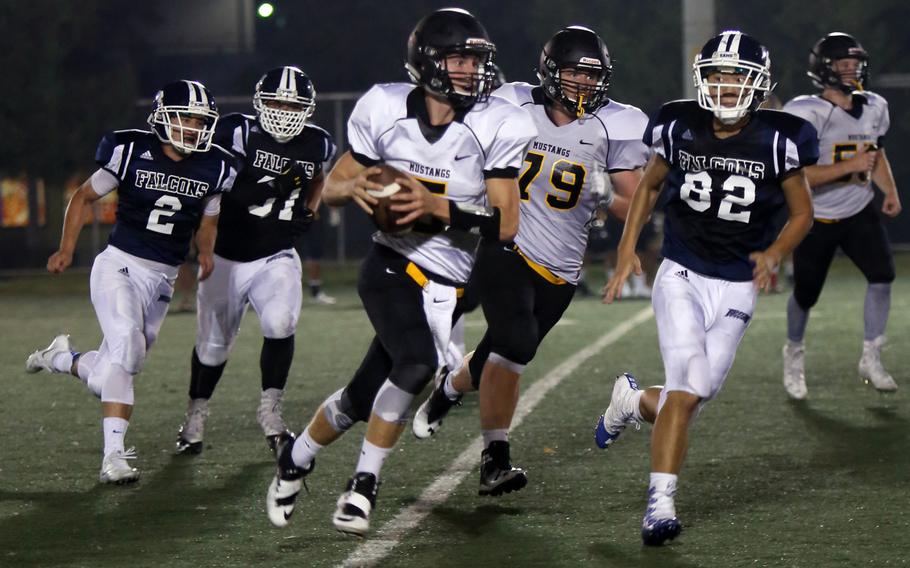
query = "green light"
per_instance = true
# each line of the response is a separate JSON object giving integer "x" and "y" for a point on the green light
{"x": 265, "y": 10}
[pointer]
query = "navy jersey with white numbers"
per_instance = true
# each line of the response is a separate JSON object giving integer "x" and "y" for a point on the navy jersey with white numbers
{"x": 159, "y": 200}
{"x": 254, "y": 221}
{"x": 721, "y": 195}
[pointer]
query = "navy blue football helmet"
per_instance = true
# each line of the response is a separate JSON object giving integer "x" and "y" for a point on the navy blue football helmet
{"x": 581, "y": 49}
{"x": 174, "y": 105}
{"x": 285, "y": 98}
{"x": 451, "y": 31}
{"x": 827, "y": 51}
{"x": 734, "y": 61}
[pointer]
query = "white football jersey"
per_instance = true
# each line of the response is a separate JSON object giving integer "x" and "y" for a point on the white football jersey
{"x": 452, "y": 161}
{"x": 839, "y": 135}
{"x": 557, "y": 184}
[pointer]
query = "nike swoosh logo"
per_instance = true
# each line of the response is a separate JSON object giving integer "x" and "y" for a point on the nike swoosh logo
{"x": 583, "y": 143}
{"x": 287, "y": 515}
{"x": 459, "y": 158}
{"x": 435, "y": 301}
{"x": 389, "y": 271}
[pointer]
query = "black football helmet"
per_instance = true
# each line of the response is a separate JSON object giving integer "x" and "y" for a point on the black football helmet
{"x": 288, "y": 85}
{"x": 180, "y": 100}
{"x": 834, "y": 46}
{"x": 447, "y": 32}
{"x": 736, "y": 53}
{"x": 581, "y": 49}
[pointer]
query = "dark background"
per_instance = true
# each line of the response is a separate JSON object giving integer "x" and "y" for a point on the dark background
{"x": 73, "y": 70}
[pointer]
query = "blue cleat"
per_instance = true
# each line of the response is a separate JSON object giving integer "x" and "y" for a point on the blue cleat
{"x": 620, "y": 412}
{"x": 660, "y": 523}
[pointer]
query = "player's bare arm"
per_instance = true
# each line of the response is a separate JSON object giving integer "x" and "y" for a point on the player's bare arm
{"x": 316, "y": 189}
{"x": 640, "y": 209}
{"x": 205, "y": 244}
{"x": 863, "y": 161}
{"x": 624, "y": 184}
{"x": 348, "y": 182}
{"x": 72, "y": 226}
{"x": 799, "y": 221}
{"x": 883, "y": 177}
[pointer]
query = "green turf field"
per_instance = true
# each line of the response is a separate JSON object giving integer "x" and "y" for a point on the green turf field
{"x": 767, "y": 482}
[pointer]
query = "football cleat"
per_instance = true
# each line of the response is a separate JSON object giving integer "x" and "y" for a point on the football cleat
{"x": 428, "y": 418}
{"x": 620, "y": 412}
{"x": 116, "y": 470}
{"x": 324, "y": 299}
{"x": 497, "y": 476}
{"x": 352, "y": 514}
{"x": 43, "y": 359}
{"x": 871, "y": 369}
{"x": 189, "y": 436}
{"x": 660, "y": 523}
{"x": 269, "y": 416}
{"x": 794, "y": 370}
{"x": 285, "y": 487}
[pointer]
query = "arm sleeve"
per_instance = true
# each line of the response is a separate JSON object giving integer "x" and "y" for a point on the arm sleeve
{"x": 507, "y": 150}
{"x": 104, "y": 182}
{"x": 212, "y": 205}
{"x": 363, "y": 128}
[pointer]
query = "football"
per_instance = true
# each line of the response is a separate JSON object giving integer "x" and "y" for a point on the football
{"x": 383, "y": 216}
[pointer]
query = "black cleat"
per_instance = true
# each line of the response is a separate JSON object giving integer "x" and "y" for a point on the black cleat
{"x": 497, "y": 476}
{"x": 286, "y": 485}
{"x": 352, "y": 515}
{"x": 428, "y": 418}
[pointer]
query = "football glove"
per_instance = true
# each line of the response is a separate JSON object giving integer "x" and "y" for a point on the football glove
{"x": 293, "y": 177}
{"x": 301, "y": 221}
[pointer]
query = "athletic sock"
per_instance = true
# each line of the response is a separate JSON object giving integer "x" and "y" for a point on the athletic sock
{"x": 372, "y": 458}
{"x": 275, "y": 362}
{"x": 114, "y": 432}
{"x": 203, "y": 378}
{"x": 305, "y": 450}
{"x": 875, "y": 310}
{"x": 797, "y": 319}
{"x": 496, "y": 435}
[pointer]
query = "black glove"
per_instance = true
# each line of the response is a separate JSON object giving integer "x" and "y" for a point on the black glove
{"x": 301, "y": 221}
{"x": 293, "y": 177}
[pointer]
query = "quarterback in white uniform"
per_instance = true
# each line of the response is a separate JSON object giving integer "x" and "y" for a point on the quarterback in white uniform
{"x": 460, "y": 150}
{"x": 527, "y": 286}
{"x": 851, "y": 124}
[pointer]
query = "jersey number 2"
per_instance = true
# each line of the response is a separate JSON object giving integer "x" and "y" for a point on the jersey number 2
{"x": 165, "y": 207}
{"x": 696, "y": 192}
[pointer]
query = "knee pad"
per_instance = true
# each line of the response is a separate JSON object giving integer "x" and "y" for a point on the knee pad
{"x": 85, "y": 364}
{"x": 117, "y": 386}
{"x": 515, "y": 348}
{"x": 411, "y": 378}
{"x": 129, "y": 350}
{"x": 506, "y": 363}
{"x": 340, "y": 412}
{"x": 277, "y": 321}
{"x": 211, "y": 354}
{"x": 392, "y": 403}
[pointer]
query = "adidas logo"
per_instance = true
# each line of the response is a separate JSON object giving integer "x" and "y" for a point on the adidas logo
{"x": 146, "y": 156}
{"x": 684, "y": 274}
{"x": 686, "y": 135}
{"x": 124, "y": 270}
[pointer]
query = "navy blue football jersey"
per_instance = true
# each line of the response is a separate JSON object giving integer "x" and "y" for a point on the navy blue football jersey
{"x": 254, "y": 221}
{"x": 721, "y": 195}
{"x": 159, "y": 200}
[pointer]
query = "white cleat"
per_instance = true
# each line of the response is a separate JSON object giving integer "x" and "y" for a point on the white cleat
{"x": 189, "y": 436}
{"x": 352, "y": 512}
{"x": 871, "y": 369}
{"x": 620, "y": 412}
{"x": 794, "y": 370}
{"x": 324, "y": 299}
{"x": 116, "y": 470}
{"x": 269, "y": 416}
{"x": 43, "y": 359}
{"x": 281, "y": 499}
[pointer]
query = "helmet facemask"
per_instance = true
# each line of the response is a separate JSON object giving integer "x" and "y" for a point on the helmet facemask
{"x": 168, "y": 123}
{"x": 848, "y": 80}
{"x": 462, "y": 89}
{"x": 283, "y": 124}
{"x": 576, "y": 96}
{"x": 749, "y": 82}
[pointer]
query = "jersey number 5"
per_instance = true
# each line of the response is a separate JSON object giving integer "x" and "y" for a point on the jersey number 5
{"x": 567, "y": 177}
{"x": 696, "y": 192}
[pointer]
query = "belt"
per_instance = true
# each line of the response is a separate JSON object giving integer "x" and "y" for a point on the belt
{"x": 540, "y": 269}
{"x": 421, "y": 279}
{"x": 828, "y": 221}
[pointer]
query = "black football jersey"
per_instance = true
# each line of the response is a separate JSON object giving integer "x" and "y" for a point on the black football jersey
{"x": 254, "y": 221}
{"x": 160, "y": 201}
{"x": 721, "y": 195}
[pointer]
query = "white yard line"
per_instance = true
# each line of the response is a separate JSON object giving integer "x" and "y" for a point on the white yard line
{"x": 381, "y": 543}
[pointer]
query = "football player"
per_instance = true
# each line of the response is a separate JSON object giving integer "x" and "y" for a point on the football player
{"x": 725, "y": 169}
{"x": 851, "y": 124}
{"x": 465, "y": 148}
{"x": 271, "y": 203}
{"x": 526, "y": 286}
{"x": 169, "y": 183}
